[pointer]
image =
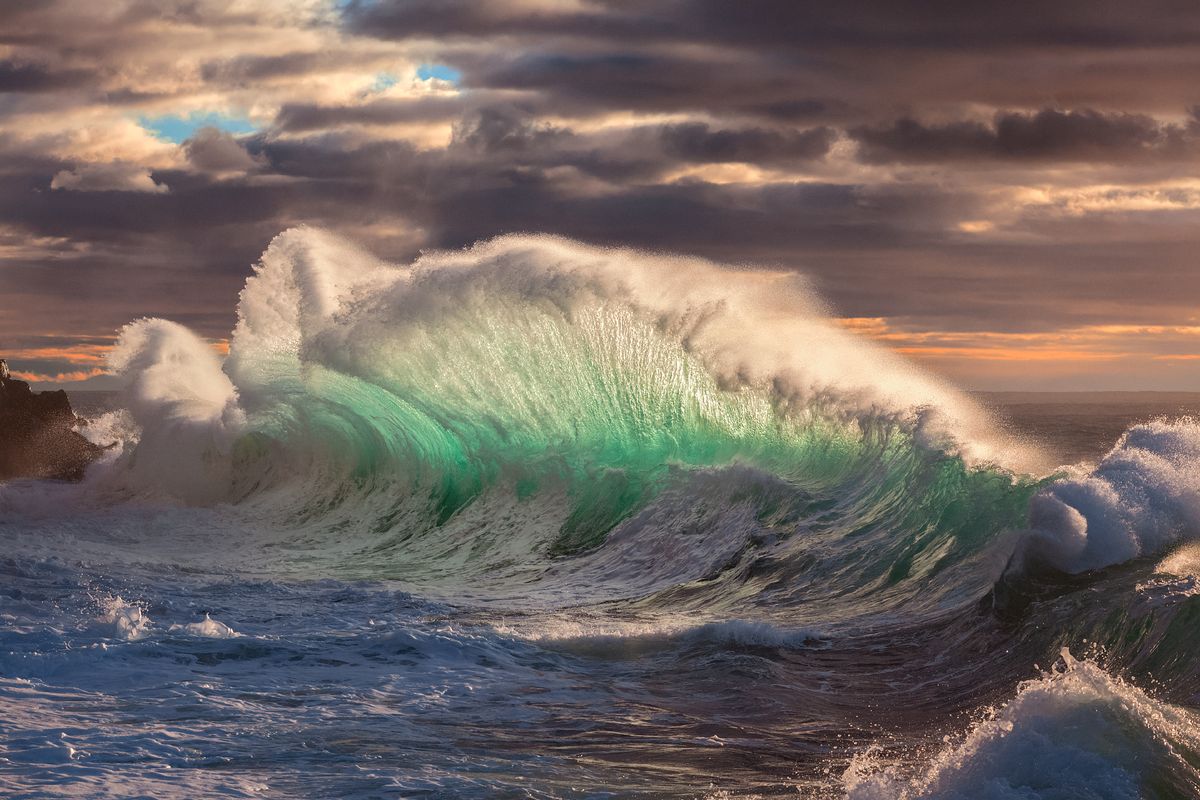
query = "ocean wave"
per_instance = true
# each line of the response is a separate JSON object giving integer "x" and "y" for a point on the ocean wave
{"x": 606, "y": 636}
{"x": 562, "y": 386}
{"x": 573, "y": 392}
{"x": 1074, "y": 732}
{"x": 1140, "y": 500}
{"x": 652, "y": 513}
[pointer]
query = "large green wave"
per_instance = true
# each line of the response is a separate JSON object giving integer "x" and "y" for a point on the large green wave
{"x": 551, "y": 393}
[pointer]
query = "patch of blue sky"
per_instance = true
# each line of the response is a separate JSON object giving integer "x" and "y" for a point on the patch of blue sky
{"x": 178, "y": 128}
{"x": 439, "y": 71}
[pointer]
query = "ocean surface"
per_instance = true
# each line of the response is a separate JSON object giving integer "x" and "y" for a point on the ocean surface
{"x": 540, "y": 520}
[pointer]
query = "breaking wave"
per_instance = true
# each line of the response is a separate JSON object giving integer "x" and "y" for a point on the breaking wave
{"x": 576, "y": 388}
{"x": 1073, "y": 732}
{"x": 651, "y": 486}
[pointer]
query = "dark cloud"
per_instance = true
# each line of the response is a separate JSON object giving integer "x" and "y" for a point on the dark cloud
{"x": 214, "y": 150}
{"x": 498, "y": 129}
{"x": 115, "y": 176}
{"x": 16, "y": 76}
{"x": 795, "y": 23}
{"x": 967, "y": 165}
{"x": 700, "y": 143}
{"x": 799, "y": 59}
{"x": 1083, "y": 135}
{"x": 647, "y": 81}
{"x": 949, "y": 24}
{"x": 252, "y": 69}
{"x": 300, "y": 117}
{"x": 462, "y": 19}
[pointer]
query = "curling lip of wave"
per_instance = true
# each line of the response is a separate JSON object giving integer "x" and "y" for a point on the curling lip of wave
{"x": 316, "y": 302}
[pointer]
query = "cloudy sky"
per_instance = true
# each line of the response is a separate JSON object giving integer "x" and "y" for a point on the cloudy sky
{"x": 1007, "y": 192}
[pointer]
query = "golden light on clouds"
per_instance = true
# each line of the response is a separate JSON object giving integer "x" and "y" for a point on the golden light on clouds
{"x": 70, "y": 362}
{"x": 59, "y": 377}
{"x": 149, "y": 152}
{"x": 975, "y": 356}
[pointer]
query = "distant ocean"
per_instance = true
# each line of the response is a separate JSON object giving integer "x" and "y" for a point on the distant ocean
{"x": 1083, "y": 426}
{"x": 538, "y": 520}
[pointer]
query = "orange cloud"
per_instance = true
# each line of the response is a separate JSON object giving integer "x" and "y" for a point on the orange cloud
{"x": 1138, "y": 350}
{"x": 1008, "y": 354}
{"x": 61, "y": 377}
{"x": 75, "y": 354}
{"x": 88, "y": 356}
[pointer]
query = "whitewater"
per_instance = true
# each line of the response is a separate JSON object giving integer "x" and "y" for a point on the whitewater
{"x": 536, "y": 519}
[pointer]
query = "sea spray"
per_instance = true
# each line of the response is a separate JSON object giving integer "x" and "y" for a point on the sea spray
{"x": 533, "y": 363}
{"x": 185, "y": 408}
{"x": 1143, "y": 497}
{"x": 1073, "y": 732}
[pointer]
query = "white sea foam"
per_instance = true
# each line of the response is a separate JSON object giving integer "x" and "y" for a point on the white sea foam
{"x": 207, "y": 628}
{"x": 184, "y": 405}
{"x": 1141, "y": 499}
{"x": 111, "y": 429}
{"x": 124, "y": 620}
{"x": 1076, "y": 733}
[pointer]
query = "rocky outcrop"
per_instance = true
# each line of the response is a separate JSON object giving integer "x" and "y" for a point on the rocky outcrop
{"x": 38, "y": 437}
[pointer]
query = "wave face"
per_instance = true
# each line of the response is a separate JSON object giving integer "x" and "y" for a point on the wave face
{"x": 574, "y": 390}
{"x": 535, "y": 493}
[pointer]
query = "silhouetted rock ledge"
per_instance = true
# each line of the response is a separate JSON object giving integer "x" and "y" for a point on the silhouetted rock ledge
{"x": 38, "y": 437}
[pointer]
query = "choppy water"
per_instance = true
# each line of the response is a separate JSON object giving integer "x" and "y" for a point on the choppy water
{"x": 540, "y": 520}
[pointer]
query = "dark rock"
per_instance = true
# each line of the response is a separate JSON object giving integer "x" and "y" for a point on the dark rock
{"x": 38, "y": 437}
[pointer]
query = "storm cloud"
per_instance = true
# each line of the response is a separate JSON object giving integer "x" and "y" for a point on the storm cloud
{"x": 945, "y": 166}
{"x": 1048, "y": 135}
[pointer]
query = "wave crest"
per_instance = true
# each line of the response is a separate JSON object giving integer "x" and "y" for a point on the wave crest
{"x": 389, "y": 399}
